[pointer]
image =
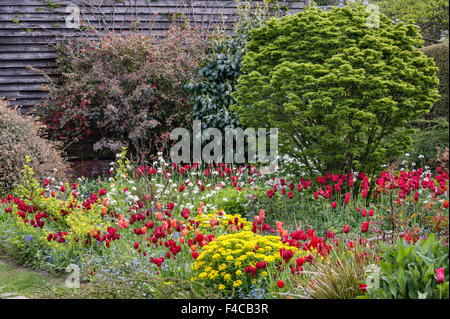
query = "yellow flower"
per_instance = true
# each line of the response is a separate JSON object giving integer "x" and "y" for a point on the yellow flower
{"x": 222, "y": 287}
{"x": 237, "y": 283}
{"x": 238, "y": 272}
{"x": 223, "y": 267}
{"x": 227, "y": 277}
{"x": 229, "y": 258}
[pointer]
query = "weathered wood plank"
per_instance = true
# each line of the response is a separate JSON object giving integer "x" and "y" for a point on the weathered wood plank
{"x": 29, "y": 28}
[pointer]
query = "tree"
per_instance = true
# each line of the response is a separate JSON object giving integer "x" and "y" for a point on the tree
{"x": 430, "y": 15}
{"x": 339, "y": 91}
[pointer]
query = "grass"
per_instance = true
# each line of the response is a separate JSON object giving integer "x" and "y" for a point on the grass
{"x": 21, "y": 281}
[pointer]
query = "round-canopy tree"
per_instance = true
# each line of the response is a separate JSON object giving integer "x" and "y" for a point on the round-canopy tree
{"x": 339, "y": 89}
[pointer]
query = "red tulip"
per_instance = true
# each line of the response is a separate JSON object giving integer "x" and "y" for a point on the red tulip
{"x": 280, "y": 283}
{"x": 346, "y": 228}
{"x": 363, "y": 287}
{"x": 365, "y": 227}
{"x": 102, "y": 192}
{"x": 440, "y": 276}
{"x": 333, "y": 204}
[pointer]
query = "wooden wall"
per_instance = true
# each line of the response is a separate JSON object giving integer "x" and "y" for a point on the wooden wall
{"x": 28, "y": 28}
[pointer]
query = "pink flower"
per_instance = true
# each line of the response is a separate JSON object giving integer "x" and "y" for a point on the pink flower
{"x": 440, "y": 276}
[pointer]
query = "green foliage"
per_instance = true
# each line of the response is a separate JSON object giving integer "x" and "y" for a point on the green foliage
{"x": 440, "y": 54}
{"x": 429, "y": 135}
{"x": 430, "y": 15}
{"x": 409, "y": 271}
{"x": 340, "y": 92}
{"x": 218, "y": 76}
{"x": 432, "y": 128}
{"x": 338, "y": 276}
{"x": 125, "y": 90}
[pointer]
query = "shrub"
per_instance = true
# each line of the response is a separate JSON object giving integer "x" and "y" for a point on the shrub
{"x": 409, "y": 271}
{"x": 339, "y": 91}
{"x": 222, "y": 262}
{"x": 432, "y": 128}
{"x": 125, "y": 90}
{"x": 218, "y": 76}
{"x": 440, "y": 54}
{"x": 20, "y": 137}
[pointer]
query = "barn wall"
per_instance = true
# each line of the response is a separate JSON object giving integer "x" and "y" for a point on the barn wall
{"x": 29, "y": 28}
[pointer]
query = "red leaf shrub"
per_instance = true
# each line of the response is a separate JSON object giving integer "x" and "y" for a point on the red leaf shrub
{"x": 125, "y": 90}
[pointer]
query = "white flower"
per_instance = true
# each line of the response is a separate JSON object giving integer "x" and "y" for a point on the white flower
{"x": 421, "y": 156}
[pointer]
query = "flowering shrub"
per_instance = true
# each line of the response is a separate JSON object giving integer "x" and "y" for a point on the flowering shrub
{"x": 20, "y": 137}
{"x": 123, "y": 90}
{"x": 335, "y": 88}
{"x": 236, "y": 261}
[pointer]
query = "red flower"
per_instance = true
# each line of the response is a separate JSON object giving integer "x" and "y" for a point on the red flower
{"x": 181, "y": 188}
{"x": 290, "y": 195}
{"x": 333, "y": 204}
{"x": 346, "y": 228}
{"x": 46, "y": 182}
{"x": 195, "y": 254}
{"x": 74, "y": 186}
{"x": 102, "y": 192}
{"x": 280, "y": 283}
{"x": 63, "y": 189}
{"x": 365, "y": 227}
{"x": 363, "y": 287}
{"x": 136, "y": 245}
{"x": 440, "y": 276}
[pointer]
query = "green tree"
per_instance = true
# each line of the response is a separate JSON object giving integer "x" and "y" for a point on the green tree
{"x": 430, "y": 15}
{"x": 340, "y": 92}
